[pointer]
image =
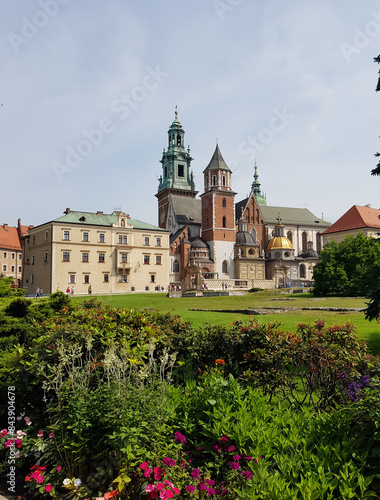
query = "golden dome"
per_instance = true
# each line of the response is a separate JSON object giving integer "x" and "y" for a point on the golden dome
{"x": 280, "y": 242}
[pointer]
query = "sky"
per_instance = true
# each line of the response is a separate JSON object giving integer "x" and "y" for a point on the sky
{"x": 88, "y": 90}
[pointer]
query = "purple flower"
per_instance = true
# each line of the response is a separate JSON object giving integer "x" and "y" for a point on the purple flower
{"x": 169, "y": 462}
{"x": 195, "y": 473}
{"x": 224, "y": 439}
{"x": 248, "y": 474}
{"x": 179, "y": 438}
{"x": 237, "y": 458}
{"x": 231, "y": 448}
{"x": 234, "y": 465}
{"x": 190, "y": 488}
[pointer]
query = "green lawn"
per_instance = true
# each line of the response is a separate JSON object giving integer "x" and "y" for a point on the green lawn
{"x": 185, "y": 307}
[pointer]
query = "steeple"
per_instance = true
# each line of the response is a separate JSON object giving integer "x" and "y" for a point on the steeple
{"x": 176, "y": 161}
{"x": 260, "y": 197}
{"x": 217, "y": 175}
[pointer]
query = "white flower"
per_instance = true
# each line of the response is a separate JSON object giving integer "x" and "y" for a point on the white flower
{"x": 66, "y": 481}
{"x": 77, "y": 482}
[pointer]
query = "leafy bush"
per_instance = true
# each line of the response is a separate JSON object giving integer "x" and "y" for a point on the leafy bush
{"x": 18, "y": 308}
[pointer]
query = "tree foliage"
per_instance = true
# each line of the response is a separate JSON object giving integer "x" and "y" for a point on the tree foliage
{"x": 350, "y": 268}
{"x": 6, "y": 288}
{"x": 376, "y": 171}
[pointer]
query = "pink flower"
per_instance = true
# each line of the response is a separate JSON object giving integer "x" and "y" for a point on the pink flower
{"x": 27, "y": 421}
{"x": 17, "y": 454}
{"x": 147, "y": 472}
{"x": 21, "y": 434}
{"x": 144, "y": 465}
{"x": 59, "y": 468}
{"x": 149, "y": 488}
{"x": 157, "y": 473}
{"x": 51, "y": 435}
{"x": 18, "y": 443}
{"x": 160, "y": 486}
{"x": 169, "y": 483}
{"x": 48, "y": 488}
{"x": 177, "y": 491}
{"x": 190, "y": 488}
{"x": 3, "y": 432}
{"x": 169, "y": 494}
{"x": 40, "y": 434}
{"x": 39, "y": 479}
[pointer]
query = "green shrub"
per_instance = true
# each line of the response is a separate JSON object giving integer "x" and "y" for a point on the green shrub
{"x": 18, "y": 308}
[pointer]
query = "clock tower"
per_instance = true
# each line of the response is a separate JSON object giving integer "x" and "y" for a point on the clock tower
{"x": 176, "y": 178}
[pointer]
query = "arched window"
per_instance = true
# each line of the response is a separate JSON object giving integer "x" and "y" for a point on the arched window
{"x": 224, "y": 203}
{"x": 254, "y": 234}
{"x": 122, "y": 223}
{"x": 290, "y": 236}
{"x": 225, "y": 267}
{"x": 319, "y": 242}
{"x": 304, "y": 241}
{"x": 178, "y": 140}
{"x": 302, "y": 271}
{"x": 214, "y": 180}
{"x": 224, "y": 221}
{"x": 175, "y": 266}
{"x": 224, "y": 180}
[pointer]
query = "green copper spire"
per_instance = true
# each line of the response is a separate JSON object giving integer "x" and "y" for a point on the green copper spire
{"x": 176, "y": 161}
{"x": 260, "y": 197}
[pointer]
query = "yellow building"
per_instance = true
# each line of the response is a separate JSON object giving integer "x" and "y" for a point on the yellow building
{"x": 104, "y": 253}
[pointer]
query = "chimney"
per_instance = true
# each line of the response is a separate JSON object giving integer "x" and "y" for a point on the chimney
{"x": 128, "y": 216}
{"x": 5, "y": 226}
{"x": 99, "y": 212}
{"x": 67, "y": 211}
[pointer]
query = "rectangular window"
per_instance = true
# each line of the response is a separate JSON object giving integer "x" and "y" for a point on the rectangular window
{"x": 19, "y": 269}
{"x": 32, "y": 260}
{"x": 72, "y": 278}
{"x": 158, "y": 259}
{"x": 146, "y": 259}
{"x": 5, "y": 255}
{"x": 86, "y": 278}
{"x": 102, "y": 238}
{"x": 4, "y": 267}
{"x": 13, "y": 255}
{"x": 66, "y": 235}
{"x": 66, "y": 256}
{"x": 84, "y": 257}
{"x": 181, "y": 171}
{"x": 12, "y": 269}
{"x": 32, "y": 279}
{"x": 158, "y": 242}
{"x": 45, "y": 256}
{"x": 120, "y": 279}
{"x": 123, "y": 258}
{"x": 19, "y": 256}
{"x": 33, "y": 240}
{"x": 46, "y": 235}
{"x": 123, "y": 239}
{"x": 84, "y": 236}
{"x": 102, "y": 257}
{"x": 125, "y": 278}
{"x": 146, "y": 240}
{"x": 152, "y": 278}
{"x": 105, "y": 278}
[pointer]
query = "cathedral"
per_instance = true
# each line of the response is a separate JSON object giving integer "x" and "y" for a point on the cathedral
{"x": 217, "y": 242}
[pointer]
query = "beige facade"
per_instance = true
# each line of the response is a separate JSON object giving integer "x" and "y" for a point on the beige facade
{"x": 111, "y": 253}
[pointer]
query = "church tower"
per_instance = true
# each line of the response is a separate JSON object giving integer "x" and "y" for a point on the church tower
{"x": 176, "y": 177}
{"x": 218, "y": 215}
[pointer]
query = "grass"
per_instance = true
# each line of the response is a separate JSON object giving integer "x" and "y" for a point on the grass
{"x": 288, "y": 320}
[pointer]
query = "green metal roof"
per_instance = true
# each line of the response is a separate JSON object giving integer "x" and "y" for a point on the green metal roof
{"x": 296, "y": 216}
{"x": 97, "y": 219}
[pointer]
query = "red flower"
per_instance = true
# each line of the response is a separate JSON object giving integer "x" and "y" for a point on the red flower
{"x": 110, "y": 494}
{"x": 48, "y": 488}
{"x": 144, "y": 465}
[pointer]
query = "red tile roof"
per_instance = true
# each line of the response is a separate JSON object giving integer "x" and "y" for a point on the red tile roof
{"x": 10, "y": 236}
{"x": 356, "y": 217}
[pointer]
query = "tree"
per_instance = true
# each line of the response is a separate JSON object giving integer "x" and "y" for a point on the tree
{"x": 376, "y": 171}
{"x": 349, "y": 268}
{"x": 6, "y": 288}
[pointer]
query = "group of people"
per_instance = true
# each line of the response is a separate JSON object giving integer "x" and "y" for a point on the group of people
{"x": 70, "y": 291}
{"x": 39, "y": 293}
